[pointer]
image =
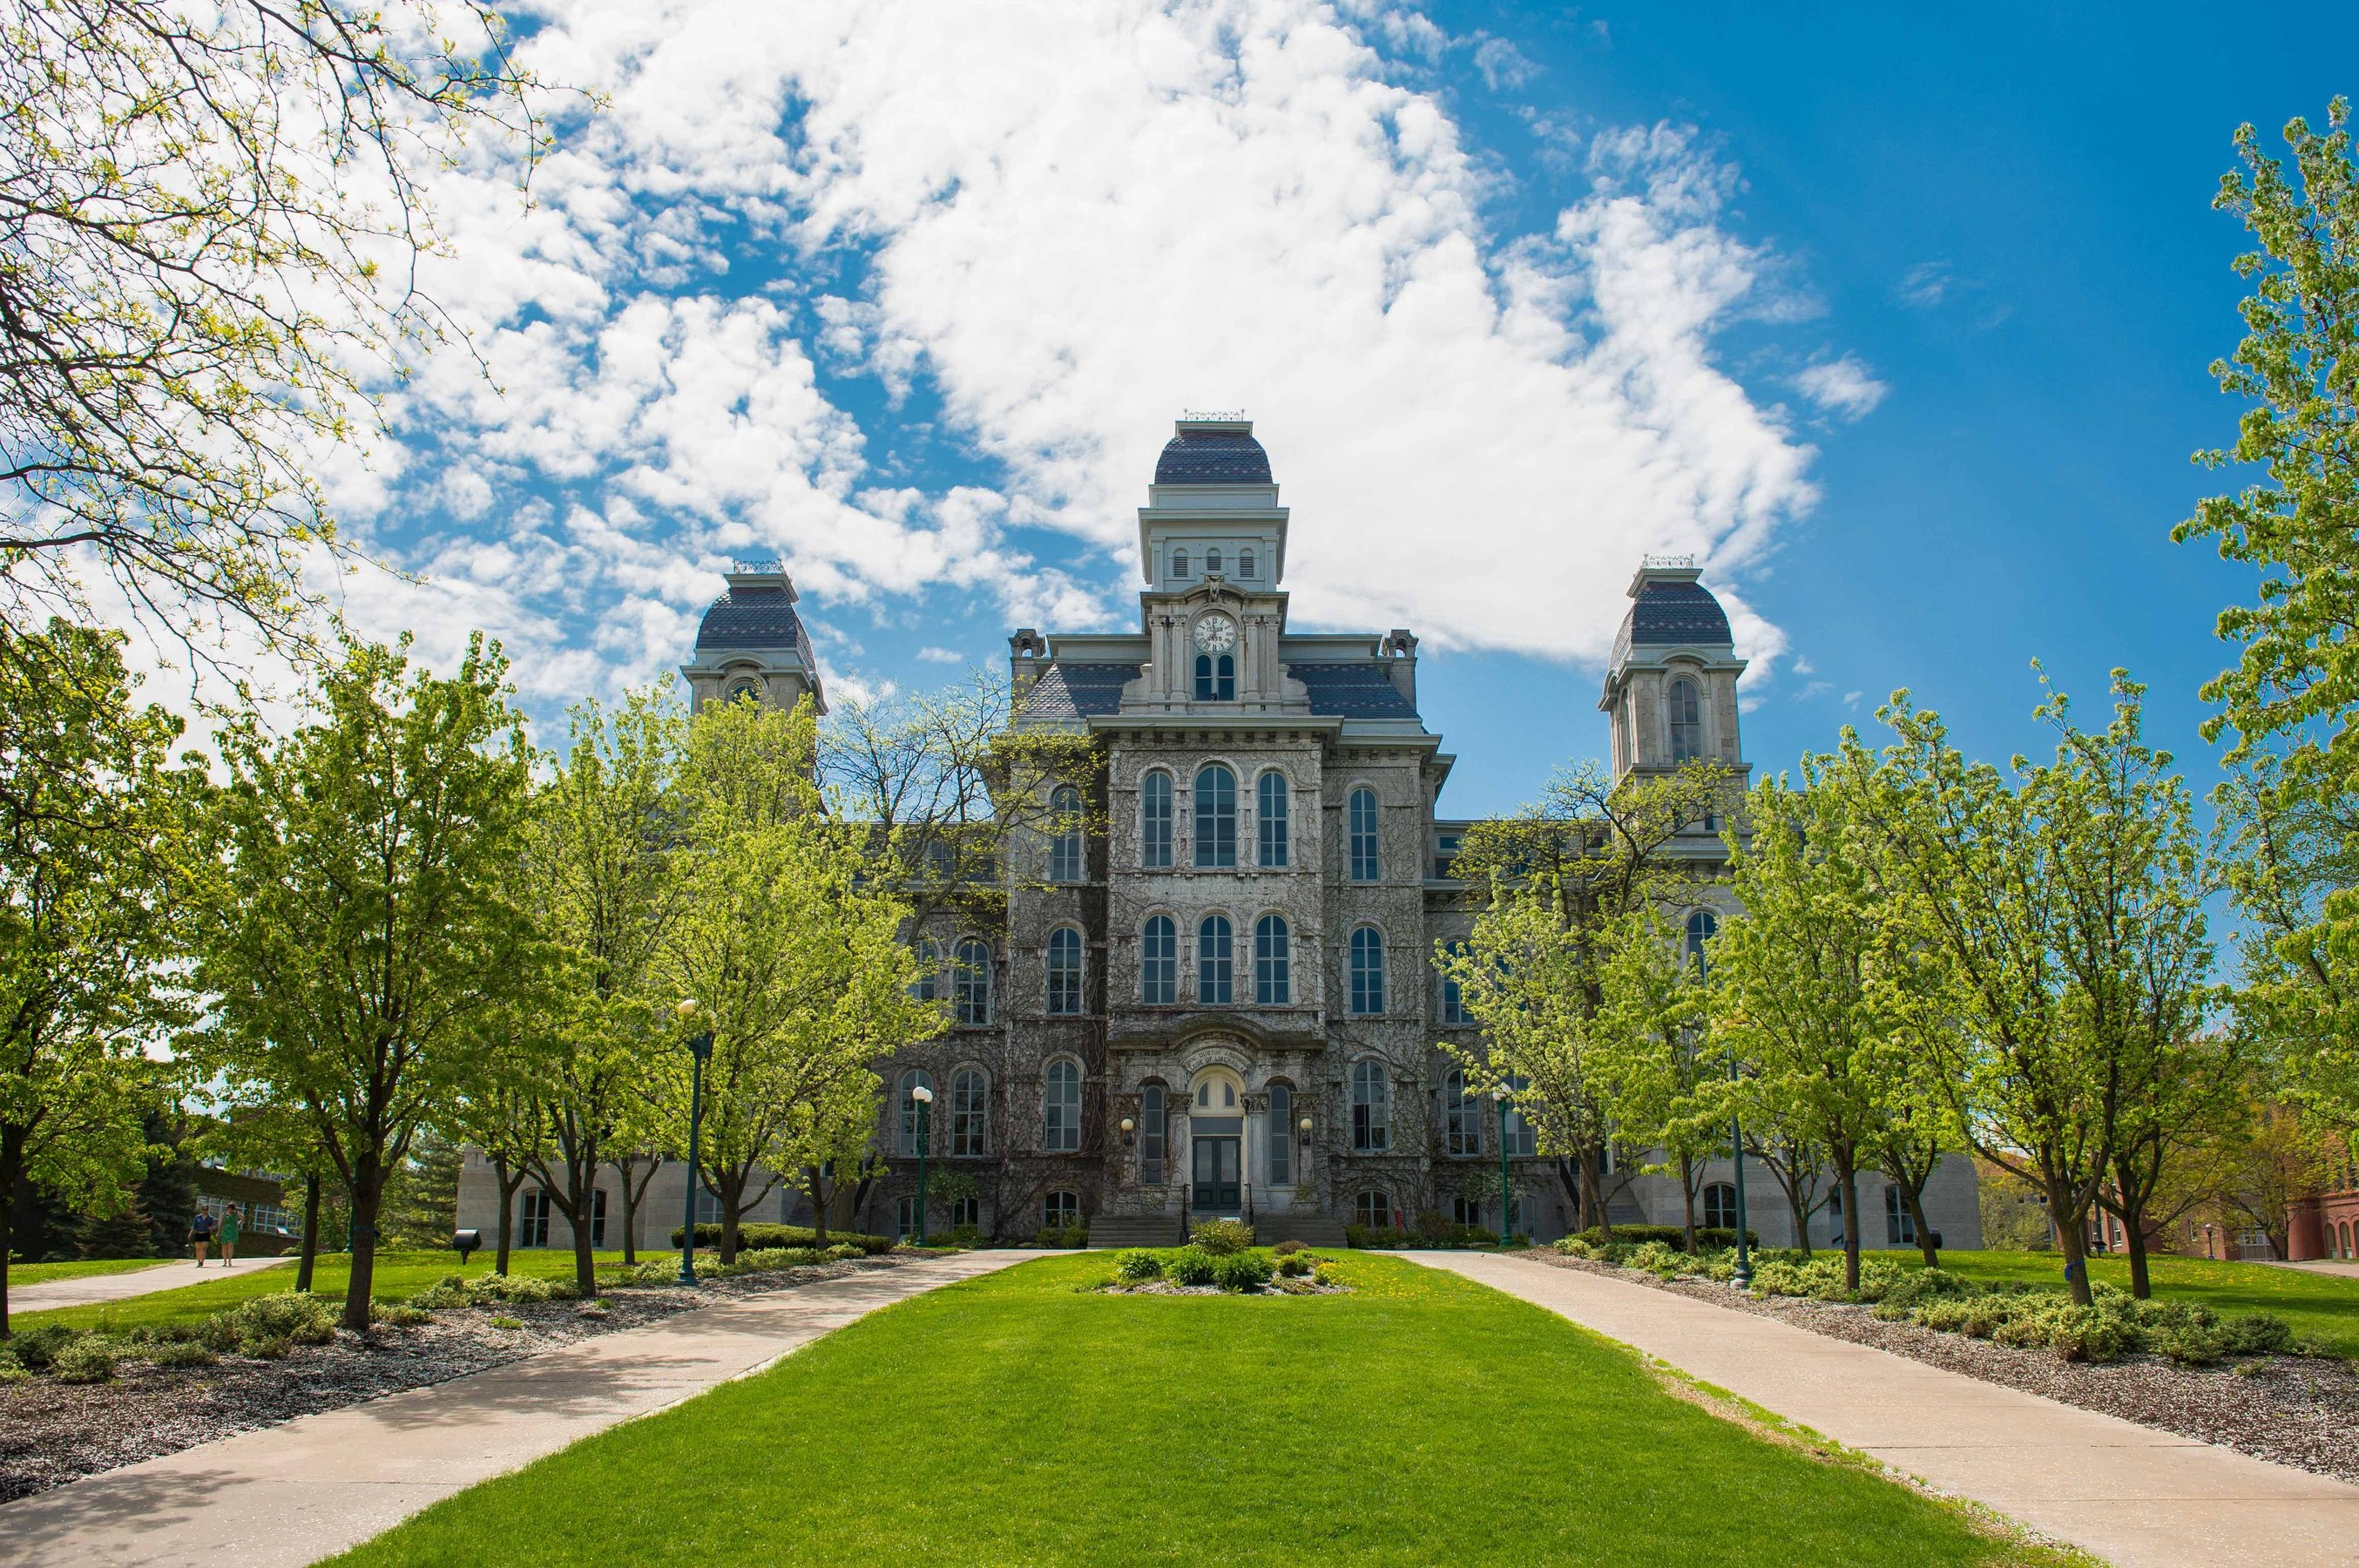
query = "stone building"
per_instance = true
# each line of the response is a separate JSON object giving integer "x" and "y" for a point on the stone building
{"x": 1220, "y": 999}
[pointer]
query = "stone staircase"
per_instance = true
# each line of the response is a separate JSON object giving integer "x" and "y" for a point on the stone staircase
{"x": 1312, "y": 1230}
{"x": 1134, "y": 1230}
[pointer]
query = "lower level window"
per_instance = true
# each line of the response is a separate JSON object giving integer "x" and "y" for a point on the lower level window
{"x": 1900, "y": 1224}
{"x": 904, "y": 1217}
{"x": 1061, "y": 1209}
{"x": 1374, "y": 1208}
{"x": 533, "y": 1231}
{"x": 1720, "y": 1207}
{"x": 966, "y": 1212}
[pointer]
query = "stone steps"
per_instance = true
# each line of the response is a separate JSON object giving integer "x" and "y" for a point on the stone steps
{"x": 1134, "y": 1230}
{"x": 1312, "y": 1230}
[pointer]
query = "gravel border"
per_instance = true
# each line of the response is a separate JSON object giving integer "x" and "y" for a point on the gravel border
{"x": 53, "y": 1433}
{"x": 2302, "y": 1410}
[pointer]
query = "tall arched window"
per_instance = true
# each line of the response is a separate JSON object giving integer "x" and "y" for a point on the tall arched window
{"x": 1702, "y": 926}
{"x": 1211, "y": 563}
{"x": 1150, "y": 1133}
{"x": 1065, "y": 858}
{"x": 1273, "y": 964}
{"x": 1215, "y": 962}
{"x": 1282, "y": 1135}
{"x": 1461, "y": 1116}
{"x": 970, "y": 982}
{"x": 1216, "y": 816}
{"x": 1060, "y": 1109}
{"x": 1064, "y": 970}
{"x": 1523, "y": 1142}
{"x": 1244, "y": 564}
{"x": 1269, "y": 813}
{"x": 1158, "y": 962}
{"x": 1454, "y": 995}
{"x": 1687, "y": 721}
{"x": 929, "y": 982}
{"x": 1363, "y": 825}
{"x": 1368, "y": 970}
{"x": 970, "y": 1114}
{"x": 1154, "y": 821}
{"x": 1216, "y": 678}
{"x": 1720, "y": 1207}
{"x": 1060, "y": 1210}
{"x": 1180, "y": 563}
{"x": 905, "y": 1142}
{"x": 1372, "y": 1108}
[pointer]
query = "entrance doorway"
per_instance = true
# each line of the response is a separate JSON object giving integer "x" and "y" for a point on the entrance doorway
{"x": 1219, "y": 1165}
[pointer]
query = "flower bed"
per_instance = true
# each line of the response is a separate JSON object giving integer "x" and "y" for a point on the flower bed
{"x": 1195, "y": 1270}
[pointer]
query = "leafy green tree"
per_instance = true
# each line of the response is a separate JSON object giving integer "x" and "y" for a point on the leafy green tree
{"x": 93, "y": 844}
{"x": 421, "y": 1199}
{"x": 1672, "y": 1087}
{"x": 213, "y": 215}
{"x": 364, "y": 934}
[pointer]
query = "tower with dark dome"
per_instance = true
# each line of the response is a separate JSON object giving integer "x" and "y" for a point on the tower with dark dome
{"x": 1670, "y": 687}
{"x": 751, "y": 644}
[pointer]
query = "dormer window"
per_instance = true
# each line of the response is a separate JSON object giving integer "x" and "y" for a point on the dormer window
{"x": 1179, "y": 565}
{"x": 1212, "y": 564}
{"x": 1244, "y": 564}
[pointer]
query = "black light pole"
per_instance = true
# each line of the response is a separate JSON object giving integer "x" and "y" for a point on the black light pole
{"x": 1500, "y": 1095}
{"x": 699, "y": 1049}
{"x": 925, "y": 1098}
{"x": 1744, "y": 1275}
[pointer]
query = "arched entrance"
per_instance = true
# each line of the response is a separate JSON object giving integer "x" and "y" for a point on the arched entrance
{"x": 1216, "y": 1129}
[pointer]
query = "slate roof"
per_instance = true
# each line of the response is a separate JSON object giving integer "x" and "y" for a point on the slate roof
{"x": 1353, "y": 692}
{"x": 1079, "y": 690}
{"x": 1667, "y": 614}
{"x": 1213, "y": 457}
{"x": 752, "y": 618}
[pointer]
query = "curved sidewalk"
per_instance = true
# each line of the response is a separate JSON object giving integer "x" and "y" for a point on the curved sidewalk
{"x": 2130, "y": 1494}
{"x": 293, "y": 1494}
{"x": 90, "y": 1290}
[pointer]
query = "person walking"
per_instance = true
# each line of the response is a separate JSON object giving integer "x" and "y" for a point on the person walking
{"x": 200, "y": 1231}
{"x": 229, "y": 1236}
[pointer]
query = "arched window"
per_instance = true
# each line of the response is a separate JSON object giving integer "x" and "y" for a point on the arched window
{"x": 1215, "y": 966}
{"x": 1372, "y": 1108}
{"x": 1060, "y": 1211}
{"x": 970, "y": 1114}
{"x": 906, "y": 1144}
{"x": 1687, "y": 721}
{"x": 1154, "y": 821}
{"x": 1523, "y": 1142}
{"x": 1211, "y": 563}
{"x": 1216, "y": 1091}
{"x": 746, "y": 689}
{"x": 1454, "y": 995}
{"x": 1180, "y": 563}
{"x": 1244, "y": 564}
{"x": 1461, "y": 1116}
{"x": 1900, "y": 1224}
{"x": 1702, "y": 926}
{"x": 905, "y": 1216}
{"x": 1150, "y": 1133}
{"x": 1060, "y": 1109}
{"x": 1720, "y": 1207}
{"x": 970, "y": 982}
{"x": 1282, "y": 1135}
{"x": 1622, "y": 758}
{"x": 1269, "y": 813}
{"x": 1364, "y": 866}
{"x": 929, "y": 982}
{"x": 1368, "y": 970}
{"x": 1216, "y": 816}
{"x": 1065, "y": 970}
{"x": 1273, "y": 964}
{"x": 1373, "y": 1210}
{"x": 1216, "y": 678}
{"x": 1158, "y": 962}
{"x": 1065, "y": 858}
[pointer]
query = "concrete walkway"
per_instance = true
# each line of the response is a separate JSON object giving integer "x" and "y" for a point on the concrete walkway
{"x": 2345, "y": 1268}
{"x": 92, "y": 1288}
{"x": 293, "y": 1494}
{"x": 2130, "y": 1494}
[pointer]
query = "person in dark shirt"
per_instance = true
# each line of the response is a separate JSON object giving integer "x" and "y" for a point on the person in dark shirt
{"x": 200, "y": 1231}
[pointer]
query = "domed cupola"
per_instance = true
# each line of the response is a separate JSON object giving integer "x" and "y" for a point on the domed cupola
{"x": 751, "y": 643}
{"x": 1670, "y": 687}
{"x": 1213, "y": 452}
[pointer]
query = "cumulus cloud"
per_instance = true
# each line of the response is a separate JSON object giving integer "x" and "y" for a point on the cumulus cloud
{"x": 1054, "y": 224}
{"x": 1843, "y": 388}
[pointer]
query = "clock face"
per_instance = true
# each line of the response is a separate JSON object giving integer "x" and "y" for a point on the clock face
{"x": 1216, "y": 633}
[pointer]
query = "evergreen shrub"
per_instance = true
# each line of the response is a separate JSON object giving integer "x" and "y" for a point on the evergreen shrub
{"x": 1241, "y": 1271}
{"x": 1222, "y": 1237}
{"x": 1188, "y": 1266}
{"x": 1138, "y": 1265}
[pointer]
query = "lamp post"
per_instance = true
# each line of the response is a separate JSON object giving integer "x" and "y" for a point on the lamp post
{"x": 925, "y": 1098}
{"x": 700, "y": 1051}
{"x": 1743, "y": 1277}
{"x": 1500, "y": 1095}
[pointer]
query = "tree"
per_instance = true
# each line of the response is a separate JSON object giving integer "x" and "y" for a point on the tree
{"x": 364, "y": 937}
{"x": 421, "y": 1198}
{"x": 1672, "y": 1090}
{"x": 792, "y": 957}
{"x": 93, "y": 846}
{"x": 500, "y": 1114}
{"x": 2279, "y": 1156}
{"x": 1563, "y": 878}
{"x": 198, "y": 206}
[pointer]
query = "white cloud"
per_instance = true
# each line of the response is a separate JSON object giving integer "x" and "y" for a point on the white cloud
{"x": 941, "y": 656}
{"x": 1505, "y": 67}
{"x": 1843, "y": 388}
{"x": 1064, "y": 221}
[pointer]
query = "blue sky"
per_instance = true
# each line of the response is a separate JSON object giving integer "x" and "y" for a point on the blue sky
{"x": 1902, "y": 323}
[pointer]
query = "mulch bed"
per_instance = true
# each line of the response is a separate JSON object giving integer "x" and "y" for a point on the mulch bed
{"x": 2302, "y": 1410}
{"x": 53, "y": 1433}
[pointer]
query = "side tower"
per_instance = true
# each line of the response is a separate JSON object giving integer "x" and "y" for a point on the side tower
{"x": 751, "y": 644}
{"x": 1670, "y": 690}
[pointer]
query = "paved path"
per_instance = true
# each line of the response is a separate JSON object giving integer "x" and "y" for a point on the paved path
{"x": 92, "y": 1289}
{"x": 293, "y": 1494}
{"x": 2344, "y": 1267}
{"x": 2129, "y": 1494}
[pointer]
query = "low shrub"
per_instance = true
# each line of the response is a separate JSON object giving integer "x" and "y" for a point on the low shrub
{"x": 965, "y": 1237}
{"x": 508, "y": 1323}
{"x": 1138, "y": 1265}
{"x": 180, "y": 1353}
{"x": 1222, "y": 1238}
{"x": 1707, "y": 1236}
{"x": 770, "y": 1259}
{"x": 33, "y": 1349}
{"x": 399, "y": 1315}
{"x": 1285, "y": 1248}
{"x": 760, "y": 1237}
{"x": 289, "y": 1317}
{"x": 1241, "y": 1271}
{"x": 1373, "y": 1238}
{"x": 1076, "y": 1236}
{"x": 1295, "y": 1265}
{"x": 1189, "y": 1266}
{"x": 85, "y": 1359}
{"x": 277, "y": 1348}
{"x": 459, "y": 1290}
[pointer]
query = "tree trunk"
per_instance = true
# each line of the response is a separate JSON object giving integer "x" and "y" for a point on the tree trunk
{"x": 508, "y": 1183}
{"x": 2132, "y": 1193}
{"x": 12, "y": 1164}
{"x": 1687, "y": 1192}
{"x": 368, "y": 1198}
{"x": 732, "y": 1187}
{"x": 310, "y": 1249}
{"x": 2072, "y": 1239}
{"x": 634, "y": 1187}
{"x": 1914, "y": 1195}
{"x": 821, "y": 1190}
{"x": 1847, "y": 1183}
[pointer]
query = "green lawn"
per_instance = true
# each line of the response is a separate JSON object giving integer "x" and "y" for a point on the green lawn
{"x": 1015, "y": 1419}
{"x": 80, "y": 1268}
{"x": 398, "y": 1274}
{"x": 2322, "y": 1308}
